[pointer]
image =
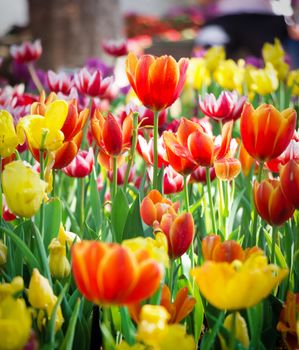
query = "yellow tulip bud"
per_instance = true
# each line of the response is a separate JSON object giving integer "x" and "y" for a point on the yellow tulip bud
{"x": 15, "y": 324}
{"x": 58, "y": 262}
{"x": 241, "y": 331}
{"x": 8, "y": 137}
{"x": 23, "y": 189}
{"x": 8, "y": 289}
{"x": 3, "y": 253}
{"x": 40, "y": 293}
{"x": 45, "y": 315}
{"x": 67, "y": 237}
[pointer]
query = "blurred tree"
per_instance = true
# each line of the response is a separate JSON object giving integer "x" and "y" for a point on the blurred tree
{"x": 72, "y": 30}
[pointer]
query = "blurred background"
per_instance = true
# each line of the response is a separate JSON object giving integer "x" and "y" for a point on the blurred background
{"x": 71, "y": 31}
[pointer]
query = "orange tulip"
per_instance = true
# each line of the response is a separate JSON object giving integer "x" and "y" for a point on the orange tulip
{"x": 266, "y": 132}
{"x": 107, "y": 273}
{"x": 112, "y": 138}
{"x": 178, "y": 310}
{"x": 227, "y": 168}
{"x": 289, "y": 179}
{"x": 270, "y": 202}
{"x": 208, "y": 245}
{"x": 154, "y": 206}
{"x": 246, "y": 160}
{"x": 157, "y": 81}
{"x": 179, "y": 231}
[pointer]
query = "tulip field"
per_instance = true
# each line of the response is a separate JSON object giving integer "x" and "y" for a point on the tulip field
{"x": 157, "y": 212}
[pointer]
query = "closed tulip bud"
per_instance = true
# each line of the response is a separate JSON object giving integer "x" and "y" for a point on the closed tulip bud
{"x": 266, "y": 132}
{"x": 3, "y": 253}
{"x": 289, "y": 180}
{"x": 40, "y": 293}
{"x": 208, "y": 244}
{"x": 228, "y": 251}
{"x": 8, "y": 137}
{"x": 271, "y": 203}
{"x": 23, "y": 189}
{"x": 227, "y": 168}
{"x": 67, "y": 237}
{"x": 15, "y": 324}
{"x": 241, "y": 331}
{"x": 58, "y": 262}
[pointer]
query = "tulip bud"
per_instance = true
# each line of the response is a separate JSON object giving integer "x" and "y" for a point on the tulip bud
{"x": 42, "y": 320}
{"x": 23, "y": 189}
{"x": 67, "y": 237}
{"x": 228, "y": 251}
{"x": 8, "y": 137}
{"x": 15, "y": 324}
{"x": 58, "y": 262}
{"x": 3, "y": 253}
{"x": 40, "y": 293}
{"x": 208, "y": 244}
{"x": 227, "y": 168}
{"x": 8, "y": 289}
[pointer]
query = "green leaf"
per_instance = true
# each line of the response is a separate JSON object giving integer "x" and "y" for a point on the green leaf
{"x": 28, "y": 255}
{"x": 255, "y": 321}
{"x": 128, "y": 328}
{"x": 209, "y": 337}
{"x": 119, "y": 213}
{"x": 198, "y": 314}
{"x": 52, "y": 220}
{"x": 70, "y": 333}
{"x": 279, "y": 256}
{"x": 233, "y": 211}
{"x": 133, "y": 227}
{"x": 95, "y": 201}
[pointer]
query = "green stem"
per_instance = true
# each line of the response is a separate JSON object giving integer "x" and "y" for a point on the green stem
{"x": 211, "y": 200}
{"x": 42, "y": 176}
{"x": 274, "y": 237}
{"x": 255, "y": 214}
{"x": 35, "y": 77}
{"x": 114, "y": 183}
{"x": 232, "y": 338}
{"x": 82, "y": 216}
{"x": 156, "y": 135}
{"x": 132, "y": 150}
{"x": 171, "y": 275}
{"x": 186, "y": 193}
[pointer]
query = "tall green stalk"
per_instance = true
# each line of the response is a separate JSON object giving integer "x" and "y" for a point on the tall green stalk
{"x": 255, "y": 214}
{"x": 156, "y": 136}
{"x": 114, "y": 181}
{"x": 211, "y": 200}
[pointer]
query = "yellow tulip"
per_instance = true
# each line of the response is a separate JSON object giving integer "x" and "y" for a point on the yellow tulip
{"x": 58, "y": 262}
{"x": 157, "y": 247}
{"x": 23, "y": 189}
{"x": 3, "y": 253}
{"x": 237, "y": 286}
{"x": 198, "y": 74}
{"x": 8, "y": 137}
{"x": 275, "y": 54}
{"x": 15, "y": 324}
{"x": 293, "y": 82}
{"x": 241, "y": 331}
{"x": 8, "y": 289}
{"x": 264, "y": 81}
{"x": 45, "y": 314}
{"x": 230, "y": 75}
{"x": 213, "y": 57}
{"x": 44, "y": 132}
{"x": 40, "y": 293}
{"x": 67, "y": 237}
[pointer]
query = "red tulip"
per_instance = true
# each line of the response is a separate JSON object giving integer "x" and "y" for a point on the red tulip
{"x": 200, "y": 175}
{"x": 270, "y": 202}
{"x": 157, "y": 81}
{"x": 227, "y": 107}
{"x": 289, "y": 178}
{"x": 81, "y": 165}
{"x": 26, "y": 52}
{"x": 115, "y": 48}
{"x": 266, "y": 132}
{"x": 91, "y": 84}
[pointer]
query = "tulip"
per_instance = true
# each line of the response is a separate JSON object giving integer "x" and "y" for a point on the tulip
{"x": 8, "y": 137}
{"x": 213, "y": 57}
{"x": 58, "y": 262}
{"x": 81, "y": 165}
{"x": 115, "y": 48}
{"x": 12, "y": 288}
{"x": 15, "y": 324}
{"x": 103, "y": 129}
{"x": 59, "y": 82}
{"x": 227, "y": 168}
{"x": 113, "y": 274}
{"x": 271, "y": 203}
{"x": 121, "y": 172}
{"x": 264, "y": 81}
{"x": 229, "y": 75}
{"x": 227, "y": 107}
{"x": 240, "y": 330}
{"x": 91, "y": 84}
{"x": 208, "y": 245}
{"x": 26, "y": 52}
{"x": 146, "y": 150}
{"x": 229, "y": 286}
{"x": 293, "y": 82}
{"x": 173, "y": 182}
{"x": 3, "y": 253}
{"x": 179, "y": 231}
{"x": 154, "y": 206}
{"x": 67, "y": 237}
{"x": 200, "y": 175}
{"x": 266, "y": 132}
{"x": 288, "y": 321}
{"x": 289, "y": 181}
{"x": 157, "y": 82}
{"x": 23, "y": 189}
{"x": 198, "y": 75}
{"x": 44, "y": 132}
